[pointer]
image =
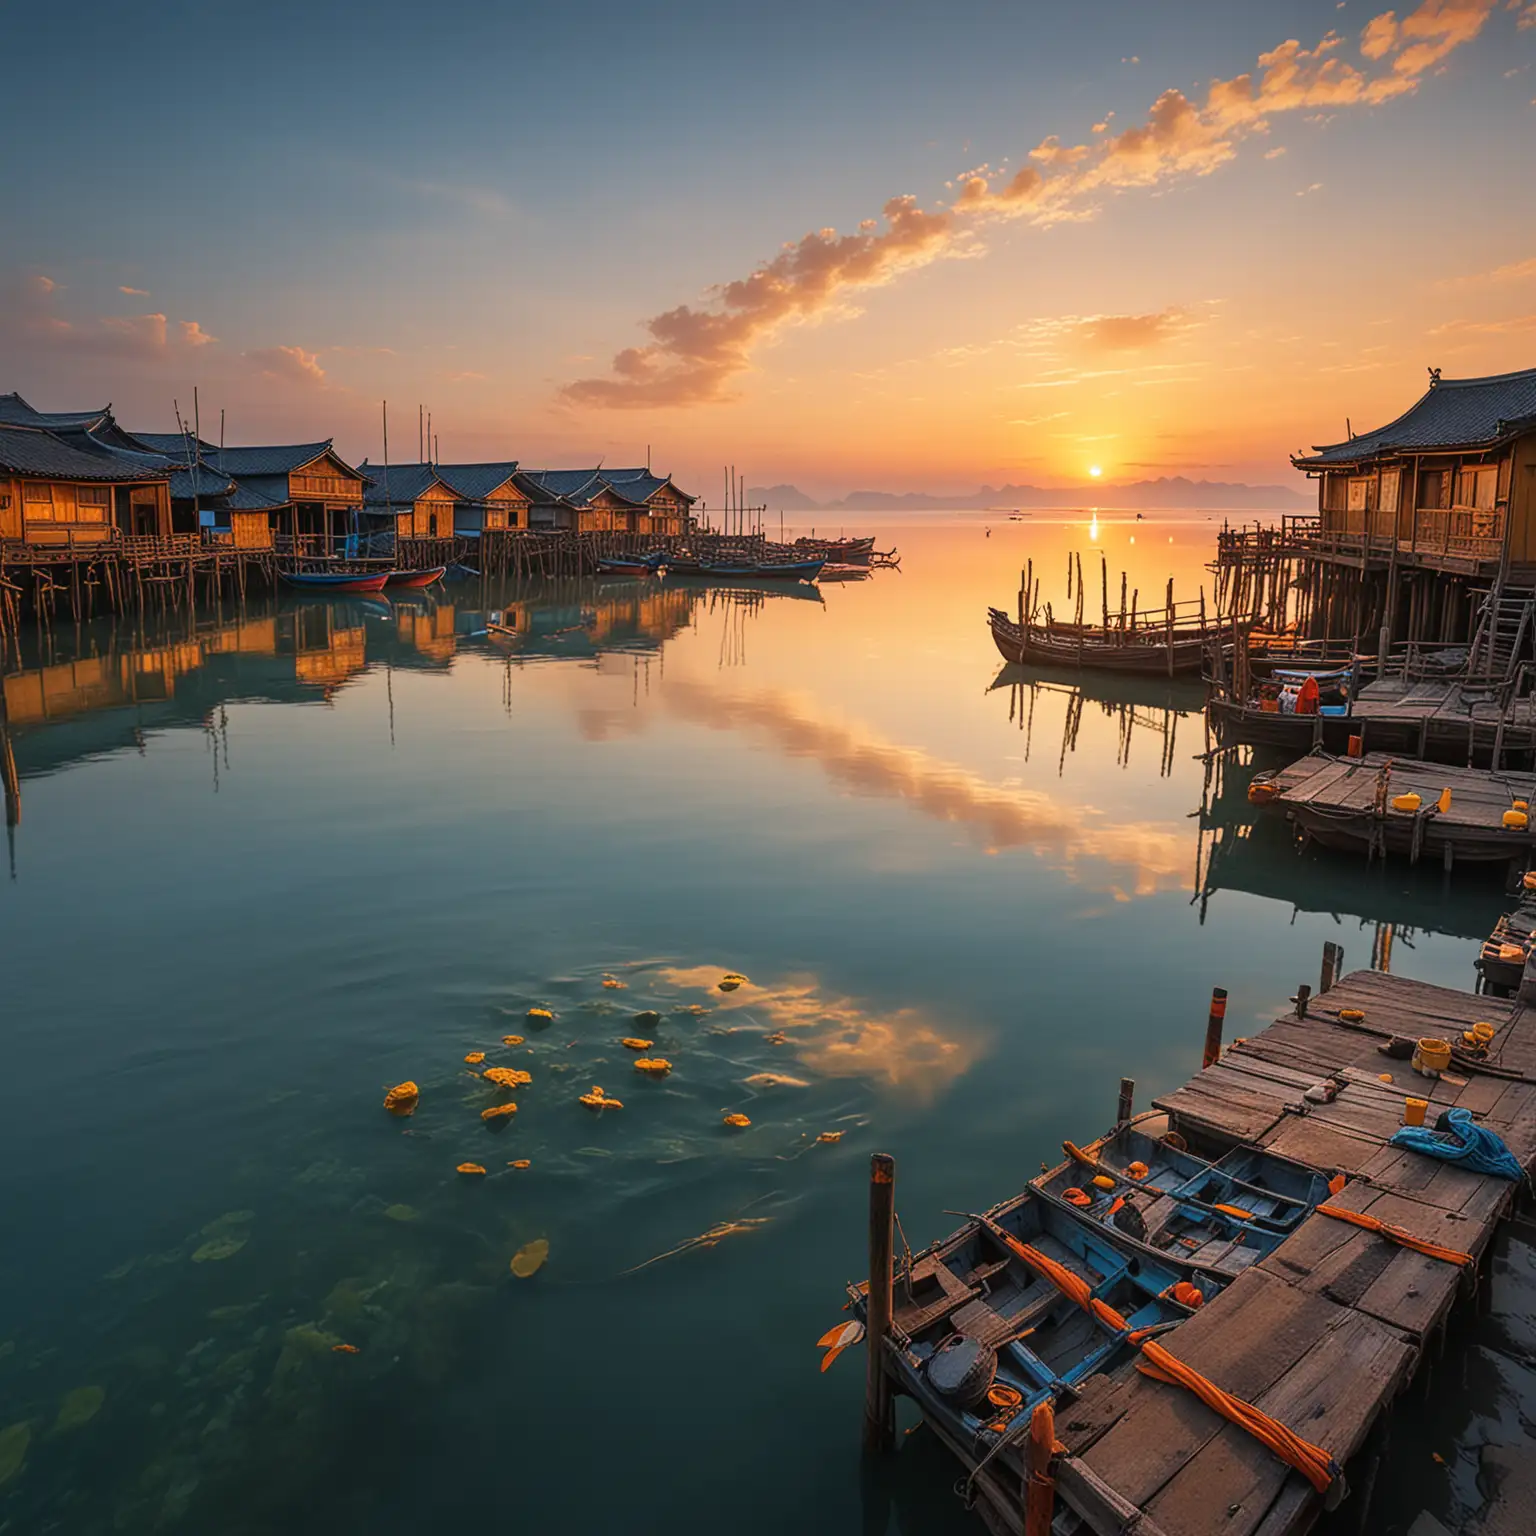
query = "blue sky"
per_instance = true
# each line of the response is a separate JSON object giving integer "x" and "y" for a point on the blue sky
{"x": 472, "y": 205}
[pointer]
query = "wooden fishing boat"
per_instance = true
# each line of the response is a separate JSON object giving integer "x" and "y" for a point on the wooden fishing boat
{"x": 1218, "y": 1217}
{"x": 1150, "y": 644}
{"x": 629, "y": 565}
{"x": 336, "y": 581}
{"x": 985, "y": 1336}
{"x": 838, "y": 572}
{"x": 842, "y": 551}
{"x": 1501, "y": 959}
{"x": 763, "y": 570}
{"x": 418, "y": 578}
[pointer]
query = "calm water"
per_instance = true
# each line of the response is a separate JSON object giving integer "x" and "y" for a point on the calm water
{"x": 271, "y": 862}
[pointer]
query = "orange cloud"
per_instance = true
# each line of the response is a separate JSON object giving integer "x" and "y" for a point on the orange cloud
{"x": 138, "y": 293}
{"x": 1131, "y": 333}
{"x": 291, "y": 365}
{"x": 194, "y": 335}
{"x": 694, "y": 352}
{"x": 28, "y": 316}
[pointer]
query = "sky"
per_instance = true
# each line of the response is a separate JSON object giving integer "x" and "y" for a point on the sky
{"x": 852, "y": 246}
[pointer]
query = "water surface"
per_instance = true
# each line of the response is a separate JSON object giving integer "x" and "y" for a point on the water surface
{"x": 271, "y": 861}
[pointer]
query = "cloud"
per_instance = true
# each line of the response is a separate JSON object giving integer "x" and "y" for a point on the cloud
{"x": 290, "y": 365}
{"x": 695, "y": 351}
{"x": 1316, "y": 186}
{"x": 30, "y": 320}
{"x": 194, "y": 335}
{"x": 1527, "y": 18}
{"x": 1275, "y": 153}
{"x": 1512, "y": 325}
{"x": 43, "y": 284}
{"x": 137, "y": 293}
{"x": 1131, "y": 333}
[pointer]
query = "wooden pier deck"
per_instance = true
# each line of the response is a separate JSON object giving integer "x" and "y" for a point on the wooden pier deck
{"x": 1346, "y": 802}
{"x": 1327, "y": 1330}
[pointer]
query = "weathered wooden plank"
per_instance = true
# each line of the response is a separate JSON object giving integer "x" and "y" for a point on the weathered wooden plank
{"x": 1304, "y": 1140}
{"x": 1330, "y": 1397}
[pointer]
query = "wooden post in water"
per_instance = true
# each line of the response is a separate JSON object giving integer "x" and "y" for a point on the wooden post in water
{"x": 1303, "y": 994}
{"x": 1127, "y": 1095}
{"x": 1213, "y": 1026}
{"x": 879, "y": 1405}
{"x": 1333, "y": 963}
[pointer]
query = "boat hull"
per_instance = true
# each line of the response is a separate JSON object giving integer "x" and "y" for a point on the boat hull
{"x": 1092, "y": 648}
{"x": 335, "y": 581}
{"x": 420, "y": 578}
{"x": 790, "y": 570}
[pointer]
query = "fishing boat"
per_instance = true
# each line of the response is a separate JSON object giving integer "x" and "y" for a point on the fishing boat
{"x": 764, "y": 570}
{"x": 418, "y": 578}
{"x": 630, "y": 565}
{"x": 842, "y": 551}
{"x": 336, "y": 581}
{"x": 986, "y": 1334}
{"x": 1149, "y": 642}
{"x": 1218, "y": 1217}
{"x": 838, "y": 572}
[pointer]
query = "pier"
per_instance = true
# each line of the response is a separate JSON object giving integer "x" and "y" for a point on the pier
{"x": 1322, "y": 1334}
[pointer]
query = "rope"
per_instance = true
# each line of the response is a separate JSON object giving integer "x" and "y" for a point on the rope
{"x": 1312, "y": 1461}
{"x": 1396, "y": 1234}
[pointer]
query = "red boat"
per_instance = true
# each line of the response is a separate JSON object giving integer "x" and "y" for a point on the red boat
{"x": 421, "y": 578}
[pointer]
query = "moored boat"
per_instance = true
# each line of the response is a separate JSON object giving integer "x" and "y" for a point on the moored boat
{"x": 1149, "y": 645}
{"x": 336, "y": 581}
{"x": 1218, "y": 1216}
{"x": 987, "y": 1330}
{"x": 417, "y": 578}
{"x": 630, "y": 565}
{"x": 764, "y": 570}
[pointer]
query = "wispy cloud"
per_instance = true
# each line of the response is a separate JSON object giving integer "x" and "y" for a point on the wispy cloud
{"x": 30, "y": 319}
{"x": 138, "y": 293}
{"x": 288, "y": 365}
{"x": 695, "y": 352}
{"x": 1511, "y": 325}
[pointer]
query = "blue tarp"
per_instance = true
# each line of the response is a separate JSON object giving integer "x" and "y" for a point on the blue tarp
{"x": 1466, "y": 1143}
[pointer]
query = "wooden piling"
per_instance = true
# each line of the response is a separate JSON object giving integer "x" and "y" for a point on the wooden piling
{"x": 1333, "y": 963}
{"x": 879, "y": 1402}
{"x": 1213, "y": 1027}
{"x": 1303, "y": 996}
{"x": 1127, "y": 1096}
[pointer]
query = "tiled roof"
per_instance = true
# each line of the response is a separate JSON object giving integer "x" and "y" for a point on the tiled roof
{"x": 32, "y": 451}
{"x": 407, "y": 483}
{"x": 474, "y": 482}
{"x": 281, "y": 460}
{"x": 195, "y": 481}
{"x": 174, "y": 445}
{"x": 1454, "y": 413}
{"x": 15, "y": 412}
{"x": 259, "y": 493}
{"x": 578, "y": 486}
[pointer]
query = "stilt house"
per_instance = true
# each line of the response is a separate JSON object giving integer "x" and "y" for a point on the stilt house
{"x": 606, "y": 501}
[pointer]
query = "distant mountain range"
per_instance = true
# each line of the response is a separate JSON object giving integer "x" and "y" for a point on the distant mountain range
{"x": 1178, "y": 492}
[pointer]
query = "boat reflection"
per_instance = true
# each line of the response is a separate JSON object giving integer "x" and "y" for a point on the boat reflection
{"x": 1139, "y": 706}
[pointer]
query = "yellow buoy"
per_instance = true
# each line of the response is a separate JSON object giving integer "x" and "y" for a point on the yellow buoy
{"x": 1103, "y": 1181}
{"x": 1408, "y": 802}
{"x": 1444, "y": 801}
{"x": 1517, "y": 821}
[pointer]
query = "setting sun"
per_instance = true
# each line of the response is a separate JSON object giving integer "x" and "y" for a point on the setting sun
{"x": 1095, "y": 470}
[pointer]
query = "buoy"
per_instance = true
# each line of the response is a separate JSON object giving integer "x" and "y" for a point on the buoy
{"x": 1517, "y": 821}
{"x": 736, "y": 1122}
{"x": 471, "y": 1170}
{"x": 1444, "y": 802}
{"x": 636, "y": 1044}
{"x": 540, "y": 1016}
{"x": 1351, "y": 1015}
{"x": 497, "y": 1116}
{"x": 1137, "y": 1171}
{"x": 654, "y": 1066}
{"x": 1528, "y": 880}
{"x": 1103, "y": 1181}
{"x": 1408, "y": 802}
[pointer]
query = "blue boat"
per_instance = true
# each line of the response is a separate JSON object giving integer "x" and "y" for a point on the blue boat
{"x": 1217, "y": 1216}
{"x": 984, "y": 1336}
{"x": 336, "y": 581}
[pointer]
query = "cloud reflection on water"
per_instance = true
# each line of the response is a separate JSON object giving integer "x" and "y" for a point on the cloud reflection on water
{"x": 901, "y": 1049}
{"x": 1158, "y": 855}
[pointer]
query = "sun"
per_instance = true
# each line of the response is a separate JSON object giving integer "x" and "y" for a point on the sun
{"x": 1095, "y": 470}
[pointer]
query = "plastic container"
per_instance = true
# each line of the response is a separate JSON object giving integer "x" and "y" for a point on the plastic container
{"x": 1431, "y": 1057}
{"x": 1444, "y": 802}
{"x": 1408, "y": 802}
{"x": 1517, "y": 821}
{"x": 1484, "y": 1033}
{"x": 1413, "y": 1111}
{"x": 1357, "y": 746}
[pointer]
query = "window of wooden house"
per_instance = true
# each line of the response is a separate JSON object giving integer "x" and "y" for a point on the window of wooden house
{"x": 495, "y": 517}
{"x": 92, "y": 503}
{"x": 1432, "y": 488}
{"x": 1359, "y": 494}
{"x": 1478, "y": 486}
{"x": 39, "y": 502}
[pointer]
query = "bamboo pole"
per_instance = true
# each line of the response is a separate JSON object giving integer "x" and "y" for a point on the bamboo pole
{"x": 879, "y": 1404}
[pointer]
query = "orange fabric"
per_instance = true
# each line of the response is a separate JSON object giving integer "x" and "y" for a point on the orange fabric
{"x": 1040, "y": 1492}
{"x": 1234, "y": 1210}
{"x": 1185, "y": 1294}
{"x": 1307, "y": 697}
{"x": 1076, "y": 1196}
{"x": 1396, "y": 1235}
{"x": 1338, "y": 1181}
{"x": 1312, "y": 1461}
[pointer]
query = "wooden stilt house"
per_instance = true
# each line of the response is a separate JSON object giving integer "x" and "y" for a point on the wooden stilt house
{"x": 1449, "y": 486}
{"x": 53, "y": 492}
{"x": 491, "y": 498}
{"x": 606, "y": 501}
{"x": 413, "y": 501}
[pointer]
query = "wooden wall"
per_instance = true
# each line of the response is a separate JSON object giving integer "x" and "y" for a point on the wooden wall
{"x": 326, "y": 479}
{"x": 250, "y": 530}
{"x": 418, "y": 522}
{"x": 58, "y": 511}
{"x": 1522, "y": 500}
